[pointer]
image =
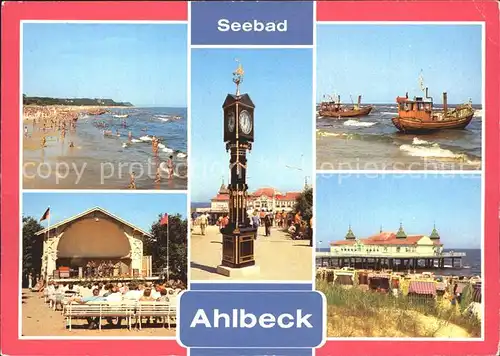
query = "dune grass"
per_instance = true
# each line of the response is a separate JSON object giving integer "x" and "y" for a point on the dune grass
{"x": 357, "y": 313}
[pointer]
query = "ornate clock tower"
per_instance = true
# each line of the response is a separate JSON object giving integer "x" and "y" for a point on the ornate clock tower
{"x": 238, "y": 235}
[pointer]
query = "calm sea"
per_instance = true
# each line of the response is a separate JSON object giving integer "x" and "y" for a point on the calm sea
{"x": 471, "y": 263}
{"x": 361, "y": 143}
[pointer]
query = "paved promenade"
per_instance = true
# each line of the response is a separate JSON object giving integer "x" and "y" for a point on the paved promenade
{"x": 278, "y": 256}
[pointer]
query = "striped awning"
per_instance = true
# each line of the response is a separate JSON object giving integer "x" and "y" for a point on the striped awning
{"x": 422, "y": 287}
{"x": 476, "y": 293}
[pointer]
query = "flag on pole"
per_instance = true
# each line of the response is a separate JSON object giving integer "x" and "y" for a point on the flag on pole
{"x": 45, "y": 215}
{"x": 164, "y": 219}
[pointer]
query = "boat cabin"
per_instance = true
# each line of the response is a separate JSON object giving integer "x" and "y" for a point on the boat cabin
{"x": 419, "y": 108}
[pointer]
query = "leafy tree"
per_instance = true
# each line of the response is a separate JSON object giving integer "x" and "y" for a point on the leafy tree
{"x": 304, "y": 204}
{"x": 32, "y": 248}
{"x": 177, "y": 246}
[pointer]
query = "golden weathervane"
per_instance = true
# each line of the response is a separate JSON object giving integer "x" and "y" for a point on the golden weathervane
{"x": 238, "y": 76}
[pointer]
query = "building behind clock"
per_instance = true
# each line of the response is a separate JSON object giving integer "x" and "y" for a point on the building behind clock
{"x": 268, "y": 199}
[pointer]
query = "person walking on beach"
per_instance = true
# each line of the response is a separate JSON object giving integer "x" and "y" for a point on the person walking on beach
{"x": 130, "y": 135}
{"x": 225, "y": 221}
{"x": 268, "y": 223}
{"x": 158, "y": 176}
{"x": 203, "y": 223}
{"x": 44, "y": 142}
{"x": 154, "y": 143}
{"x": 255, "y": 223}
{"x": 310, "y": 232}
{"x": 30, "y": 281}
{"x": 132, "y": 181}
{"x": 25, "y": 131}
{"x": 298, "y": 221}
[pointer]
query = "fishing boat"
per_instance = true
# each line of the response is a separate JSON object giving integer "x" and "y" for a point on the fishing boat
{"x": 418, "y": 115}
{"x": 335, "y": 109}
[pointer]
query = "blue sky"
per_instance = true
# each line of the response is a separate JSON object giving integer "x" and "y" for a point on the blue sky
{"x": 144, "y": 64}
{"x": 381, "y": 62}
{"x": 141, "y": 210}
{"x": 453, "y": 202}
{"x": 279, "y": 82}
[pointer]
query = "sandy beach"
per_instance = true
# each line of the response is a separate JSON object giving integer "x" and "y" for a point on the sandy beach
{"x": 279, "y": 257}
{"x": 64, "y": 147}
{"x": 39, "y": 320}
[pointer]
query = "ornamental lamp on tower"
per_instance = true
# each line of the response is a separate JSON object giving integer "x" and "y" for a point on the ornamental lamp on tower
{"x": 238, "y": 235}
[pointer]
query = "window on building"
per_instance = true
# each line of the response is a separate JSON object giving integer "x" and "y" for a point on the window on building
{"x": 398, "y": 249}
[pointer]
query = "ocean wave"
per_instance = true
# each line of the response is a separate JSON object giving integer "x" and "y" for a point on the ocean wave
{"x": 358, "y": 123}
{"x": 146, "y": 138}
{"x": 328, "y": 134}
{"x": 321, "y": 133}
{"x": 433, "y": 150}
{"x": 418, "y": 141}
{"x": 478, "y": 113}
{"x": 388, "y": 113}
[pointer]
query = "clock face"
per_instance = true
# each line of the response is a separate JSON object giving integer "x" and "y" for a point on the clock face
{"x": 245, "y": 122}
{"x": 230, "y": 121}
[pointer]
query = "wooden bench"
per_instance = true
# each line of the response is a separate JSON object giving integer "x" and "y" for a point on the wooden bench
{"x": 163, "y": 310}
{"x": 98, "y": 310}
{"x": 126, "y": 310}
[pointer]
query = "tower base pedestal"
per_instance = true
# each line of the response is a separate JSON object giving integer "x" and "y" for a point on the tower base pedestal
{"x": 238, "y": 247}
{"x": 238, "y": 272}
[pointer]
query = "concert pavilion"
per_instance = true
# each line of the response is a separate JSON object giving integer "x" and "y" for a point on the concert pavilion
{"x": 81, "y": 245}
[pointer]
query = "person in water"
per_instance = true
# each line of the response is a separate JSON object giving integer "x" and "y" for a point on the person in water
{"x": 158, "y": 176}
{"x": 170, "y": 166}
{"x": 154, "y": 143}
{"x": 132, "y": 181}
{"x": 71, "y": 144}
{"x": 130, "y": 135}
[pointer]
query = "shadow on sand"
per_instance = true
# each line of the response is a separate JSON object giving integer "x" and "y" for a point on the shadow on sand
{"x": 209, "y": 269}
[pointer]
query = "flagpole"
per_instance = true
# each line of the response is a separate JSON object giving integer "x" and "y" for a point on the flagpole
{"x": 48, "y": 224}
{"x": 168, "y": 257}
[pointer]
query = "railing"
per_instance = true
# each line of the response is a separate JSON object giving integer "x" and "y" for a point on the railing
{"x": 404, "y": 254}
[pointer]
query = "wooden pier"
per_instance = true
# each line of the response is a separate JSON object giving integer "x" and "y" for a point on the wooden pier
{"x": 396, "y": 263}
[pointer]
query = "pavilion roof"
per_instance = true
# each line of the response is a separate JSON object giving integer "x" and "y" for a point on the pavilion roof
{"x": 87, "y": 212}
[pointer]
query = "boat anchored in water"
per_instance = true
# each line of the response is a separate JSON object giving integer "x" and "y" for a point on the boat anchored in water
{"x": 335, "y": 109}
{"x": 418, "y": 115}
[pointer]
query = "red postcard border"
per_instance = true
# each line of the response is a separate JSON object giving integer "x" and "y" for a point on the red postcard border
{"x": 12, "y": 15}
{"x": 443, "y": 11}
